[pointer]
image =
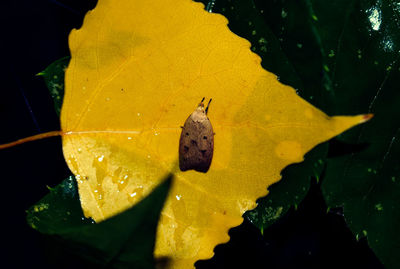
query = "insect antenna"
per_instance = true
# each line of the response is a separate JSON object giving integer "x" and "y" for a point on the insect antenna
{"x": 208, "y": 105}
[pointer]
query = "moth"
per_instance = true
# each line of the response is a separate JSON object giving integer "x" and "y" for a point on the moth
{"x": 196, "y": 144}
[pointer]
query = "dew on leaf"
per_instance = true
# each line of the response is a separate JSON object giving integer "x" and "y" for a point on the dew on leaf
{"x": 359, "y": 55}
{"x": 387, "y": 44}
{"x": 262, "y": 40}
{"x": 379, "y": 207}
{"x": 375, "y": 18}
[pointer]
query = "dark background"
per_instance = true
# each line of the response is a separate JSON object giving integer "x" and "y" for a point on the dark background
{"x": 34, "y": 34}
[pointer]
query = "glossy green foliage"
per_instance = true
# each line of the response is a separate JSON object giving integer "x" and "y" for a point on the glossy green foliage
{"x": 123, "y": 241}
{"x": 342, "y": 56}
{"x": 54, "y": 78}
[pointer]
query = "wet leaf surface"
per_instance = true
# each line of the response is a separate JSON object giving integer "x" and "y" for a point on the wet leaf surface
{"x": 342, "y": 56}
{"x": 123, "y": 241}
{"x": 122, "y": 114}
{"x": 54, "y": 78}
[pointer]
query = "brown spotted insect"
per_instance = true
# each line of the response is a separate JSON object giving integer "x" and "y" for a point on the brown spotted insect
{"x": 196, "y": 145}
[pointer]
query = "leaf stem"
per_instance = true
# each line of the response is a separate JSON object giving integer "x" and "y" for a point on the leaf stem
{"x": 31, "y": 138}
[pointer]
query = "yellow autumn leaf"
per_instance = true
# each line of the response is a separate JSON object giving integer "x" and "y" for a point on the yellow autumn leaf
{"x": 138, "y": 70}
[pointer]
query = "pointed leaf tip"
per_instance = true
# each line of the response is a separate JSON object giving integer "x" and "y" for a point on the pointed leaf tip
{"x": 367, "y": 117}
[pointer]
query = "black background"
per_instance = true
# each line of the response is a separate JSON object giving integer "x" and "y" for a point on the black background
{"x": 34, "y": 34}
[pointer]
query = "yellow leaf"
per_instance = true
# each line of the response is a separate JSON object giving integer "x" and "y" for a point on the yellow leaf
{"x": 138, "y": 69}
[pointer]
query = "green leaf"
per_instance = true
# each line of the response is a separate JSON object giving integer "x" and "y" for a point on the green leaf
{"x": 123, "y": 241}
{"x": 343, "y": 57}
{"x": 54, "y": 78}
{"x": 366, "y": 182}
{"x": 250, "y": 21}
{"x": 59, "y": 210}
{"x": 290, "y": 191}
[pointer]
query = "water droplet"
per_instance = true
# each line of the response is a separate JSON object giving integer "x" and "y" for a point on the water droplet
{"x": 375, "y": 18}
{"x": 326, "y": 68}
{"x": 132, "y": 194}
{"x": 283, "y": 13}
{"x": 359, "y": 55}
{"x": 299, "y": 45}
{"x": 129, "y": 138}
{"x": 178, "y": 197}
{"x": 254, "y": 32}
{"x": 108, "y": 99}
{"x": 379, "y": 207}
{"x": 314, "y": 17}
{"x": 101, "y": 158}
{"x": 79, "y": 150}
{"x": 262, "y": 41}
{"x": 331, "y": 54}
{"x": 250, "y": 23}
{"x": 388, "y": 44}
{"x": 369, "y": 170}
